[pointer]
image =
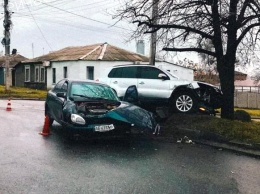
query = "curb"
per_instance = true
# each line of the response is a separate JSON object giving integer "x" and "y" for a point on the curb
{"x": 214, "y": 140}
{"x": 229, "y": 146}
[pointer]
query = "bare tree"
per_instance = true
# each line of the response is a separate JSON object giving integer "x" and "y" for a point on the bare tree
{"x": 256, "y": 76}
{"x": 183, "y": 25}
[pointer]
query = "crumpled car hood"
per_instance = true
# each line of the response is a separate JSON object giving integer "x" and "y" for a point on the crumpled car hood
{"x": 118, "y": 111}
{"x": 134, "y": 115}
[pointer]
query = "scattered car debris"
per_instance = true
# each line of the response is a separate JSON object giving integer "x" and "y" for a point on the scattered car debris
{"x": 185, "y": 139}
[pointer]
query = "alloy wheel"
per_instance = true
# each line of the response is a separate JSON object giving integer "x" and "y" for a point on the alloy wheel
{"x": 184, "y": 103}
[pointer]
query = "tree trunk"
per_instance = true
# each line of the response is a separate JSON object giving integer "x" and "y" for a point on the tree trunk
{"x": 226, "y": 70}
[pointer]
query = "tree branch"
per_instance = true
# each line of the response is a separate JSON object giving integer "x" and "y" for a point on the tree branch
{"x": 199, "y": 50}
{"x": 245, "y": 31}
{"x": 168, "y": 26}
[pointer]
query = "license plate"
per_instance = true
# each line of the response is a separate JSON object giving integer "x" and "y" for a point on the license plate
{"x": 104, "y": 128}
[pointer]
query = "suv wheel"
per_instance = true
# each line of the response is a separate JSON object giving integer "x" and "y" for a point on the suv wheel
{"x": 184, "y": 102}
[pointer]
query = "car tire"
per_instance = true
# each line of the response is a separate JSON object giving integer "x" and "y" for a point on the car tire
{"x": 184, "y": 102}
{"x": 51, "y": 120}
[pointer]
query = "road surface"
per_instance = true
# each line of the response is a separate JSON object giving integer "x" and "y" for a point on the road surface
{"x": 33, "y": 164}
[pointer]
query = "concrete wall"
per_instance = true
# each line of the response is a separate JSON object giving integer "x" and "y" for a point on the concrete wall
{"x": 180, "y": 72}
{"x": 247, "y": 100}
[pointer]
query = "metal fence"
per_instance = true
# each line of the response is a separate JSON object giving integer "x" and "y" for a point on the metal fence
{"x": 251, "y": 89}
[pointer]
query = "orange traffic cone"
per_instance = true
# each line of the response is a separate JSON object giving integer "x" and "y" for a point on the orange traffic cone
{"x": 8, "y": 108}
{"x": 46, "y": 128}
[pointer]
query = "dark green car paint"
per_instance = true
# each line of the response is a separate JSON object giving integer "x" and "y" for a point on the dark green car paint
{"x": 123, "y": 116}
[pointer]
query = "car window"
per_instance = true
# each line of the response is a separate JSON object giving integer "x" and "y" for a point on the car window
{"x": 129, "y": 72}
{"x": 115, "y": 73}
{"x": 92, "y": 91}
{"x": 149, "y": 73}
{"x": 123, "y": 72}
{"x": 58, "y": 86}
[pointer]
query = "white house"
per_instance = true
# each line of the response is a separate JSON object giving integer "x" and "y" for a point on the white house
{"x": 179, "y": 71}
{"x": 88, "y": 62}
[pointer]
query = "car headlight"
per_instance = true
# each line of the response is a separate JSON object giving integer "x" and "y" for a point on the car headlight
{"x": 77, "y": 119}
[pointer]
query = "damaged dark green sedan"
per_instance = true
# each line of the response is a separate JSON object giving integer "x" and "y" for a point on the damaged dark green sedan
{"x": 92, "y": 108}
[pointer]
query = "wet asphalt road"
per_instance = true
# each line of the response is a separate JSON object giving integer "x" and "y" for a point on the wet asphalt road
{"x": 32, "y": 164}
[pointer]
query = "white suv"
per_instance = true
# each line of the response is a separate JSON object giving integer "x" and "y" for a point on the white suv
{"x": 154, "y": 85}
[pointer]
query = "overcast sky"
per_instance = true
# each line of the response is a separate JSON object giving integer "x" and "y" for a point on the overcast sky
{"x": 41, "y": 26}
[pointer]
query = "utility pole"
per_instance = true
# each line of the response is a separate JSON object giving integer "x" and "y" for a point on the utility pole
{"x": 6, "y": 42}
{"x": 154, "y": 34}
{"x": 32, "y": 50}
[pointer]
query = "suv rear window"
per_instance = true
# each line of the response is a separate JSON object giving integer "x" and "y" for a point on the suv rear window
{"x": 123, "y": 72}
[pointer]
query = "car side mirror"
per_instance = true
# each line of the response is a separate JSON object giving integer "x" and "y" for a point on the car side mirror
{"x": 61, "y": 94}
{"x": 162, "y": 76}
{"x": 131, "y": 95}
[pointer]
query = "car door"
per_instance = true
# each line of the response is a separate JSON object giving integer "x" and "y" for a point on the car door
{"x": 121, "y": 78}
{"x": 150, "y": 86}
{"x": 60, "y": 101}
{"x": 55, "y": 104}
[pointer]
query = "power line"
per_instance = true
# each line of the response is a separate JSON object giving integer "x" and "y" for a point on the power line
{"x": 80, "y": 26}
{"x": 82, "y": 16}
{"x": 39, "y": 28}
{"x": 56, "y": 2}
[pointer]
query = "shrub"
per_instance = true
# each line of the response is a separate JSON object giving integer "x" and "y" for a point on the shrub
{"x": 242, "y": 115}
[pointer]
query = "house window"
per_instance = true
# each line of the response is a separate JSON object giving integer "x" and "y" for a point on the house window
{"x": 37, "y": 78}
{"x": 53, "y": 75}
{"x": 42, "y": 74}
{"x": 65, "y": 72}
{"x": 27, "y": 73}
{"x": 90, "y": 73}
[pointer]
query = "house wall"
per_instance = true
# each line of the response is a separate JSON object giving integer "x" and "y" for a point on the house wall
{"x": 181, "y": 72}
{"x": 78, "y": 69}
{"x": 32, "y": 83}
{"x": 19, "y": 76}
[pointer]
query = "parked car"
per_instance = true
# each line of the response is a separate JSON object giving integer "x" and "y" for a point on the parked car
{"x": 89, "y": 107}
{"x": 159, "y": 87}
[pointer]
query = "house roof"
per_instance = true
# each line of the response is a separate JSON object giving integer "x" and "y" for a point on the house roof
{"x": 14, "y": 60}
{"x": 95, "y": 52}
{"x": 247, "y": 82}
{"x": 240, "y": 73}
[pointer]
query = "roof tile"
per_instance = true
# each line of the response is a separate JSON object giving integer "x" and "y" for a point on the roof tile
{"x": 91, "y": 53}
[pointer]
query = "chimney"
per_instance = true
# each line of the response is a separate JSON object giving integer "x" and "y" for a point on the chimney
{"x": 14, "y": 51}
{"x": 140, "y": 47}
